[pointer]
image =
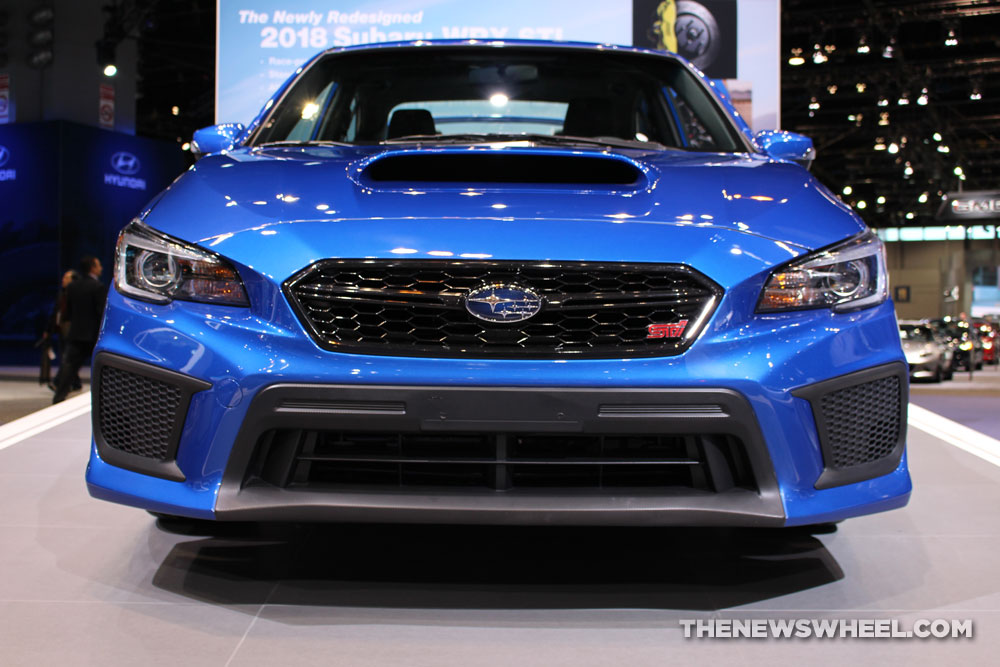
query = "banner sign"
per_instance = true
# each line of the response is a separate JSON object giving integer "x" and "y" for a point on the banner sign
{"x": 5, "y": 115}
{"x": 66, "y": 190}
{"x": 261, "y": 43}
{"x": 106, "y": 107}
{"x": 979, "y": 205}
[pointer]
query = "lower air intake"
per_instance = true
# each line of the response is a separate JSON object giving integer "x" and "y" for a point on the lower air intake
{"x": 137, "y": 413}
{"x": 861, "y": 423}
{"x": 355, "y": 460}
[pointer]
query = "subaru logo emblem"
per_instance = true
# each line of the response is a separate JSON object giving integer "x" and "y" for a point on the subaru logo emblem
{"x": 4, "y": 155}
{"x": 125, "y": 164}
{"x": 502, "y": 303}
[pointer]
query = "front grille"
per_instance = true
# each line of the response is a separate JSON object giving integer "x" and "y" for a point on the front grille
{"x": 417, "y": 308}
{"x": 356, "y": 460}
{"x": 863, "y": 422}
{"x": 137, "y": 413}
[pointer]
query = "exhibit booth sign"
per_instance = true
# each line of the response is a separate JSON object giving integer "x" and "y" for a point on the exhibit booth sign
{"x": 261, "y": 44}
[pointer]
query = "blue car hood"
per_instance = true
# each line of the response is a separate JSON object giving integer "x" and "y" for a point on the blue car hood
{"x": 279, "y": 209}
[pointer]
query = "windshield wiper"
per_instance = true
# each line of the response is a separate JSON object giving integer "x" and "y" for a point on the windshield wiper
{"x": 547, "y": 139}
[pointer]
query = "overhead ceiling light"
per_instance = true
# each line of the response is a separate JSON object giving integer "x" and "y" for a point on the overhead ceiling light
{"x": 883, "y": 118}
{"x": 890, "y": 49}
{"x": 894, "y": 148}
{"x": 937, "y": 136}
{"x": 922, "y": 198}
{"x": 975, "y": 94}
{"x": 814, "y": 104}
{"x": 951, "y": 34}
{"x": 883, "y": 102}
{"x": 863, "y": 45}
{"x": 860, "y": 86}
{"x": 909, "y": 215}
{"x": 796, "y": 58}
{"x": 106, "y": 48}
{"x": 847, "y": 190}
{"x": 818, "y": 56}
{"x": 862, "y": 204}
{"x": 880, "y": 200}
{"x": 922, "y": 100}
{"x": 832, "y": 89}
{"x": 903, "y": 100}
{"x": 908, "y": 170}
{"x": 943, "y": 148}
{"x": 957, "y": 170}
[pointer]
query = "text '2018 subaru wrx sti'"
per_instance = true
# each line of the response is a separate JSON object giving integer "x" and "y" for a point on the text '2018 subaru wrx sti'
{"x": 508, "y": 283}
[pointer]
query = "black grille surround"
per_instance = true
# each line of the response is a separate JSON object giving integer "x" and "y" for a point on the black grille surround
{"x": 861, "y": 423}
{"x": 138, "y": 412}
{"x": 416, "y": 308}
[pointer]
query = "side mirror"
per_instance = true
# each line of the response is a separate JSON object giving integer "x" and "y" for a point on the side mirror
{"x": 215, "y": 139}
{"x": 783, "y": 145}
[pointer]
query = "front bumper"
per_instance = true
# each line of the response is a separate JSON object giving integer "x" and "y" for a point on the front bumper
{"x": 923, "y": 367}
{"x": 257, "y": 373}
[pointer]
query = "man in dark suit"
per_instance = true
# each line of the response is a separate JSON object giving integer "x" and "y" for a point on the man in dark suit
{"x": 84, "y": 308}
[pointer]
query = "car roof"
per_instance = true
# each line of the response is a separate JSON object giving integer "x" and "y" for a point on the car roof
{"x": 595, "y": 47}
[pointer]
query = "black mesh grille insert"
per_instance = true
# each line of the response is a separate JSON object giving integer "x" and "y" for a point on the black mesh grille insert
{"x": 863, "y": 421}
{"x": 338, "y": 460}
{"x": 137, "y": 413}
{"x": 417, "y": 308}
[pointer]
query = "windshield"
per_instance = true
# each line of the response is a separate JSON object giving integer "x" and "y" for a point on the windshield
{"x": 470, "y": 94}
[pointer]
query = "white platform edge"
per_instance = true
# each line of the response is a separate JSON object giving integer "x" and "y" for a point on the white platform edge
{"x": 14, "y": 432}
{"x": 955, "y": 434}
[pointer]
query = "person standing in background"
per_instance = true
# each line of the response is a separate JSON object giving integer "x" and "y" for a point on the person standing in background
{"x": 84, "y": 307}
{"x": 58, "y": 325}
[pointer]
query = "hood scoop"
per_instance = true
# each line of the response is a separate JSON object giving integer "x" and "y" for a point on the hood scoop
{"x": 472, "y": 167}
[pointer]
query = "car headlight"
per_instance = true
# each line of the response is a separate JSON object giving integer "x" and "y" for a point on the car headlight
{"x": 848, "y": 276}
{"x": 966, "y": 345}
{"x": 155, "y": 267}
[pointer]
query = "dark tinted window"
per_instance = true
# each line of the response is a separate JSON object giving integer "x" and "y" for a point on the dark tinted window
{"x": 366, "y": 98}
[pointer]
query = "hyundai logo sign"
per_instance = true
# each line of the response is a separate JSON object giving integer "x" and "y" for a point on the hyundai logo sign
{"x": 125, "y": 164}
{"x": 6, "y": 174}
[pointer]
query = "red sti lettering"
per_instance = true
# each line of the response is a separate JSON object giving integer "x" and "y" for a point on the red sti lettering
{"x": 675, "y": 330}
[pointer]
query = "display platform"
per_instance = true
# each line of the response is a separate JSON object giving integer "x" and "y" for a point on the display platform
{"x": 83, "y": 581}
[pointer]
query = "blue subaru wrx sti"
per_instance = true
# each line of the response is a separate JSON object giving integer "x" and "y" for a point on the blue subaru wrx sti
{"x": 500, "y": 283}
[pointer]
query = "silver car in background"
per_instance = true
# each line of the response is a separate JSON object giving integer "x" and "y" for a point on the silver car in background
{"x": 927, "y": 355}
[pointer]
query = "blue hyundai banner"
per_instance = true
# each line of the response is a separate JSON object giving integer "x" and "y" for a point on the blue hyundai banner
{"x": 65, "y": 192}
